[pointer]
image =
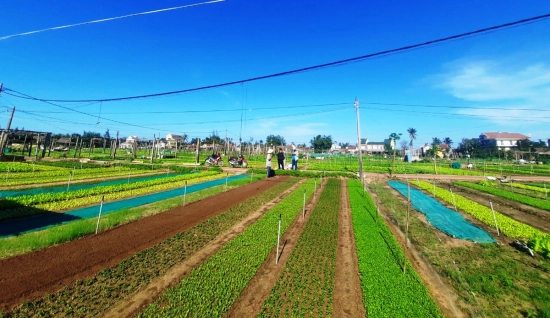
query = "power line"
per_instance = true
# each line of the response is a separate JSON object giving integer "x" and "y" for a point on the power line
{"x": 107, "y": 19}
{"x": 80, "y": 112}
{"x": 205, "y": 111}
{"x": 315, "y": 67}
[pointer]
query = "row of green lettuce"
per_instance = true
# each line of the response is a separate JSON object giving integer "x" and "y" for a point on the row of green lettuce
{"x": 211, "y": 289}
{"x": 536, "y": 239}
{"x": 389, "y": 289}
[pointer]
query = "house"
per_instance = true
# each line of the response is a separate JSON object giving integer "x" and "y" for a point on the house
{"x": 351, "y": 149}
{"x": 129, "y": 143}
{"x": 375, "y": 147}
{"x": 503, "y": 140}
{"x": 173, "y": 140}
{"x": 335, "y": 148}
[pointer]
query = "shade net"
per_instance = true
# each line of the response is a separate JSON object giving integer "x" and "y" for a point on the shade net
{"x": 444, "y": 219}
{"x": 43, "y": 221}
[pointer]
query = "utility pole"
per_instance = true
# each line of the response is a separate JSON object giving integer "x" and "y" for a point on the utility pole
{"x": 5, "y": 133}
{"x": 359, "y": 140}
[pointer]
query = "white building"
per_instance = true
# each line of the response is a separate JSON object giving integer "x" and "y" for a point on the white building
{"x": 503, "y": 140}
{"x": 173, "y": 140}
{"x": 129, "y": 143}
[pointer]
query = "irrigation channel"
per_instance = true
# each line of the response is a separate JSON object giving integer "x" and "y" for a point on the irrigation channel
{"x": 444, "y": 219}
{"x": 43, "y": 221}
{"x": 79, "y": 186}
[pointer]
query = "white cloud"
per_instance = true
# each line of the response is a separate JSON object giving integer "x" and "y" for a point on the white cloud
{"x": 507, "y": 86}
{"x": 485, "y": 81}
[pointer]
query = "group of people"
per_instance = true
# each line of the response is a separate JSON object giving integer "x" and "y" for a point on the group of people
{"x": 281, "y": 160}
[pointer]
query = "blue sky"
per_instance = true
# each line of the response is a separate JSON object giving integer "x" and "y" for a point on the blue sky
{"x": 235, "y": 40}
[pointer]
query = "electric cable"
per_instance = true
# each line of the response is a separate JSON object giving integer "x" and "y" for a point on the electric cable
{"x": 314, "y": 67}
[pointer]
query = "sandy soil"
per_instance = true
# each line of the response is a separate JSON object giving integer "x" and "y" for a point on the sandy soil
{"x": 348, "y": 296}
{"x": 32, "y": 275}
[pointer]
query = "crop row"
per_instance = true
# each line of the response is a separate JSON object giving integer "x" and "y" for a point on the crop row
{"x": 211, "y": 289}
{"x": 525, "y": 199}
{"x": 388, "y": 290}
{"x": 24, "y": 167}
{"x": 306, "y": 285}
{"x": 41, "y": 198}
{"x": 91, "y": 297}
{"x": 94, "y": 199}
{"x": 506, "y": 225}
{"x": 543, "y": 188}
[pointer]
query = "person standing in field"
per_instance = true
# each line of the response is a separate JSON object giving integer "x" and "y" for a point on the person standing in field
{"x": 268, "y": 162}
{"x": 294, "y": 158}
{"x": 281, "y": 159}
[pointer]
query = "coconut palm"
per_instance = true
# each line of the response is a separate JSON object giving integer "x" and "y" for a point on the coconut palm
{"x": 412, "y": 135}
{"x": 394, "y": 137}
{"x": 447, "y": 141}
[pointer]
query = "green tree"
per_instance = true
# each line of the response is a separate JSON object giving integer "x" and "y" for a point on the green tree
{"x": 320, "y": 144}
{"x": 412, "y": 135}
{"x": 394, "y": 137}
{"x": 107, "y": 135}
{"x": 275, "y": 140}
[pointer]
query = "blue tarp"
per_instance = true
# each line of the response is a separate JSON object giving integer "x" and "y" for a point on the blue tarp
{"x": 446, "y": 220}
{"x": 43, "y": 221}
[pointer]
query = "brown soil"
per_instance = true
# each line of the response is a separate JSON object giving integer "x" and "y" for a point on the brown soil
{"x": 348, "y": 296}
{"x": 149, "y": 293}
{"x": 251, "y": 300}
{"x": 32, "y": 275}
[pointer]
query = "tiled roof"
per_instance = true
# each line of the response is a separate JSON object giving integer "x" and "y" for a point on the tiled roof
{"x": 504, "y": 135}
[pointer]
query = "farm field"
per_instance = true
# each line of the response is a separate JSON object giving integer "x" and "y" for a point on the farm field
{"x": 111, "y": 247}
{"x": 146, "y": 264}
{"x": 489, "y": 280}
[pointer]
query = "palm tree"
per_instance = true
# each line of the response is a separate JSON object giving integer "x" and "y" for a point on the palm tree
{"x": 447, "y": 141}
{"x": 435, "y": 148}
{"x": 394, "y": 137}
{"x": 412, "y": 135}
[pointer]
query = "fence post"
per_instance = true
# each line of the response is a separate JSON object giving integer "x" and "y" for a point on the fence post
{"x": 494, "y": 217}
{"x": 184, "y": 193}
{"x": 453, "y": 196}
{"x": 99, "y": 216}
{"x": 304, "y": 206}
{"x": 69, "y": 182}
{"x": 278, "y": 240}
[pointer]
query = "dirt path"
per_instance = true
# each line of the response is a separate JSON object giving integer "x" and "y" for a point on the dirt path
{"x": 32, "y": 275}
{"x": 444, "y": 297}
{"x": 251, "y": 300}
{"x": 348, "y": 296}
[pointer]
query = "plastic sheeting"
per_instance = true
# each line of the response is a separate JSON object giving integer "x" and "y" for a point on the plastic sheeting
{"x": 446, "y": 220}
{"x": 78, "y": 186}
{"x": 43, "y": 221}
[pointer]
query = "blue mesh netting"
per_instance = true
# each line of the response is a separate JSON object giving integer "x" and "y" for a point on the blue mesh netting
{"x": 446, "y": 220}
{"x": 74, "y": 187}
{"x": 43, "y": 221}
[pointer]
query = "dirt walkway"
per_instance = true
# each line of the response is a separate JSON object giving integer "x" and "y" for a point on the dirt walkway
{"x": 32, "y": 275}
{"x": 348, "y": 296}
{"x": 140, "y": 299}
{"x": 252, "y": 299}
